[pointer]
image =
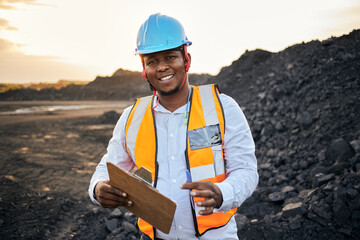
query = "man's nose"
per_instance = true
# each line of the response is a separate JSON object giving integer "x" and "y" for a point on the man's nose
{"x": 163, "y": 66}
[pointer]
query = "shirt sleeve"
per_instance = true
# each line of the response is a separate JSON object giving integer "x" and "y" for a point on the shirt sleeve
{"x": 239, "y": 152}
{"x": 116, "y": 154}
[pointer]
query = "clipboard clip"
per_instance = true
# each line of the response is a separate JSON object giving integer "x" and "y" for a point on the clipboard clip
{"x": 143, "y": 175}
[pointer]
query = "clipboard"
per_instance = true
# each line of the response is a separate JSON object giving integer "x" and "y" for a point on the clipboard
{"x": 148, "y": 204}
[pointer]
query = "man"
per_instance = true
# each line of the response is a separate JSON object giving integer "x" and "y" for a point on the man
{"x": 179, "y": 128}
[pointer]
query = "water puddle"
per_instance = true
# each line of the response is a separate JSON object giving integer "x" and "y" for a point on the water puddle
{"x": 54, "y": 108}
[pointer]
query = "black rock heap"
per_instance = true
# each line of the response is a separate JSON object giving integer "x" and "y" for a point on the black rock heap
{"x": 303, "y": 107}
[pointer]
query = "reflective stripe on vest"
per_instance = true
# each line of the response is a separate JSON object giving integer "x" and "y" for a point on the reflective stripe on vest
{"x": 206, "y": 164}
{"x": 133, "y": 129}
{"x": 210, "y": 115}
{"x": 140, "y": 135}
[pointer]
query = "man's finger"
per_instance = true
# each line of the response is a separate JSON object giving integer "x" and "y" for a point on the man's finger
{"x": 106, "y": 187}
{"x": 202, "y": 193}
{"x": 196, "y": 185}
{"x": 208, "y": 202}
{"x": 207, "y": 211}
{"x": 113, "y": 200}
{"x": 116, "y": 191}
{"x": 189, "y": 185}
{"x": 112, "y": 197}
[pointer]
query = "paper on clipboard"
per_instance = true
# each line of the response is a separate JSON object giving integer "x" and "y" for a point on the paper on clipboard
{"x": 148, "y": 203}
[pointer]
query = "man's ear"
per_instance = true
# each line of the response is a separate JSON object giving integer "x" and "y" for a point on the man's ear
{"x": 189, "y": 57}
{"x": 187, "y": 62}
{"x": 144, "y": 73}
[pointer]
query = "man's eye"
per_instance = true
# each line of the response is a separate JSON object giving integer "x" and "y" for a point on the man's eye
{"x": 152, "y": 62}
{"x": 170, "y": 57}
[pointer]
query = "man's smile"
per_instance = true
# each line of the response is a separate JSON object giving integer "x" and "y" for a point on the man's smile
{"x": 166, "y": 77}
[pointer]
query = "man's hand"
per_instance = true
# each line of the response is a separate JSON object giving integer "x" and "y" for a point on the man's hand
{"x": 110, "y": 197}
{"x": 207, "y": 190}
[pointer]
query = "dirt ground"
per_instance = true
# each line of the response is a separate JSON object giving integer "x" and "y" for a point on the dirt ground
{"x": 46, "y": 162}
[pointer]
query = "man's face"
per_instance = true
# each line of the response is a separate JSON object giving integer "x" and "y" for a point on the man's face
{"x": 165, "y": 70}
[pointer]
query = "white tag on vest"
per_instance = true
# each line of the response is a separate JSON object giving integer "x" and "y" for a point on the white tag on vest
{"x": 204, "y": 137}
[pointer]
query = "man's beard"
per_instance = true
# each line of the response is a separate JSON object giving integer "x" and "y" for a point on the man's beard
{"x": 175, "y": 90}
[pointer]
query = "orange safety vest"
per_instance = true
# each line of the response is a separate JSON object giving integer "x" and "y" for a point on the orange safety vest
{"x": 204, "y": 164}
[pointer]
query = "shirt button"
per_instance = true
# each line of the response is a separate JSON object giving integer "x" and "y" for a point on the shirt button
{"x": 180, "y": 227}
{"x": 171, "y": 135}
{"x": 172, "y": 158}
{"x": 174, "y": 180}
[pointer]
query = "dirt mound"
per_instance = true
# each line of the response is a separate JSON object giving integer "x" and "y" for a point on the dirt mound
{"x": 110, "y": 117}
{"x": 303, "y": 107}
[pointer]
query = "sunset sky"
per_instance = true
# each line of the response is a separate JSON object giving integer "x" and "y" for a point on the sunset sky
{"x": 49, "y": 40}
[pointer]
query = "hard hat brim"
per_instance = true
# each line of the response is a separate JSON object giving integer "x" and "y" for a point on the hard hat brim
{"x": 161, "y": 48}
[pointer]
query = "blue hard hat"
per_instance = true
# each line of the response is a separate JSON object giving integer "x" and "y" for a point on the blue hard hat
{"x": 159, "y": 33}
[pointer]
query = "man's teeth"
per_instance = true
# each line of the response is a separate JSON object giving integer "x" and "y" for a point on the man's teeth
{"x": 166, "y": 78}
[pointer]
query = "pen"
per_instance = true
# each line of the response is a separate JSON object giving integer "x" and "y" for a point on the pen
{"x": 189, "y": 179}
{"x": 188, "y": 176}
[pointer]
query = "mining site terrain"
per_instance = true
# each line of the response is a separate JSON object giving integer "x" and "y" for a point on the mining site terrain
{"x": 302, "y": 105}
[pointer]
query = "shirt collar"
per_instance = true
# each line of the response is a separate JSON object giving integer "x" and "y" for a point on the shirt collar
{"x": 161, "y": 109}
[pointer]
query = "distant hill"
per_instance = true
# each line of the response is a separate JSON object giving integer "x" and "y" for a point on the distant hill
{"x": 4, "y": 87}
{"x": 122, "y": 85}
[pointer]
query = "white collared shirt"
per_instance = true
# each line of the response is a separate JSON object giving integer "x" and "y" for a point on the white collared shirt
{"x": 239, "y": 150}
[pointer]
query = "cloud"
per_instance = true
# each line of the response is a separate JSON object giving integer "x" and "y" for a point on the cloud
{"x": 8, "y": 4}
{"x": 15, "y": 67}
{"x": 4, "y": 25}
{"x": 7, "y": 46}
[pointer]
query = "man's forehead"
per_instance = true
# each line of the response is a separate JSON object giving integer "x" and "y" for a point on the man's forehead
{"x": 170, "y": 51}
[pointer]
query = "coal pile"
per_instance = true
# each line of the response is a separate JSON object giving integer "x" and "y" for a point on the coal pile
{"x": 303, "y": 107}
{"x": 106, "y": 224}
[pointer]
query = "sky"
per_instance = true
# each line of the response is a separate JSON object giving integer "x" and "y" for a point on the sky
{"x": 50, "y": 40}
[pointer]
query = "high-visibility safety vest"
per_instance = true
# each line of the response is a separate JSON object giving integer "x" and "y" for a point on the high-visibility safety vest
{"x": 205, "y": 163}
